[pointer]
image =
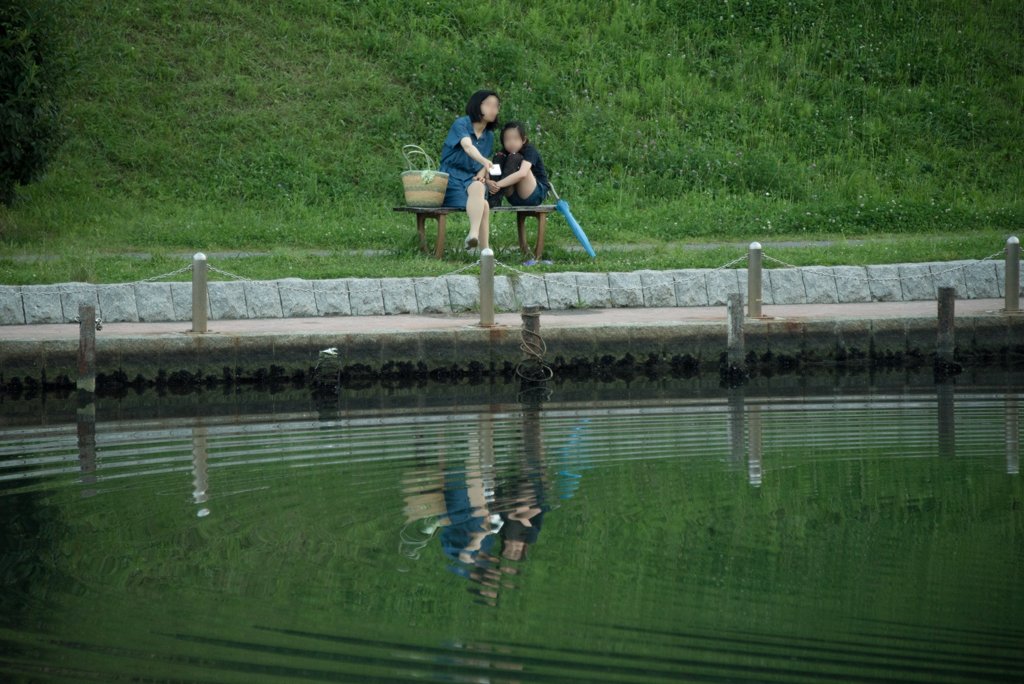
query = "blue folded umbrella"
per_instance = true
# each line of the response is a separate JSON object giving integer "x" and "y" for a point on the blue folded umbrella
{"x": 563, "y": 208}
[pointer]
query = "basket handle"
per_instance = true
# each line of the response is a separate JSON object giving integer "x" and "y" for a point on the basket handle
{"x": 408, "y": 150}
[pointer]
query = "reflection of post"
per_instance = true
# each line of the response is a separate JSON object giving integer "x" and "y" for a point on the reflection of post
{"x": 487, "y": 455}
{"x": 754, "y": 444}
{"x": 1012, "y": 435}
{"x": 199, "y": 478}
{"x": 946, "y": 416}
{"x": 87, "y": 443}
{"x": 735, "y": 425}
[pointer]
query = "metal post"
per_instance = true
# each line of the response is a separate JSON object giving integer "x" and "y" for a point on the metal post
{"x": 1012, "y": 275}
{"x": 86, "y": 349}
{"x": 486, "y": 288}
{"x": 754, "y": 280}
{"x": 736, "y": 344}
{"x": 947, "y": 303}
{"x": 199, "y": 293}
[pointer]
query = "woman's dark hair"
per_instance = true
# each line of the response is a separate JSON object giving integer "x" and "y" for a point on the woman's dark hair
{"x": 518, "y": 127}
{"x": 473, "y": 107}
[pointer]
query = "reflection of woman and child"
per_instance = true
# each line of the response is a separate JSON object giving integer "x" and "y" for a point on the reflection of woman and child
{"x": 478, "y": 184}
{"x": 475, "y": 504}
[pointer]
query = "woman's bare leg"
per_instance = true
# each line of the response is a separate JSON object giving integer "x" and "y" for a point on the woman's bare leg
{"x": 485, "y": 227}
{"x": 477, "y": 209}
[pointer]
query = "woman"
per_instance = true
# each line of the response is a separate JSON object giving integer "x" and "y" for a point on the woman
{"x": 466, "y": 159}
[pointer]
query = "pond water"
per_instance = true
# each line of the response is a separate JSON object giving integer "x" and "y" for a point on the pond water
{"x": 872, "y": 535}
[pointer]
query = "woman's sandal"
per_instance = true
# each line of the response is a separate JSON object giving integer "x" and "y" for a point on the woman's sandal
{"x": 471, "y": 242}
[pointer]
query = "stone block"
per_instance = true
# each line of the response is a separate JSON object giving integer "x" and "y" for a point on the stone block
{"x": 432, "y": 295}
{"x": 884, "y": 284}
{"x": 227, "y": 300}
{"x": 464, "y": 292}
{"x": 562, "y": 290}
{"x": 852, "y": 284}
{"x": 820, "y": 285}
{"x": 73, "y": 294}
{"x": 297, "y": 298}
{"x": 11, "y": 310}
{"x": 262, "y": 299}
{"x": 951, "y": 274}
{"x": 332, "y": 298}
{"x": 154, "y": 303}
{"x": 721, "y": 284}
{"x": 980, "y": 277}
{"x": 593, "y": 289}
{"x": 917, "y": 282}
{"x": 366, "y": 297}
{"x": 530, "y": 290}
{"x": 42, "y": 304}
{"x": 788, "y": 286}
{"x": 117, "y": 304}
{"x": 626, "y": 290}
{"x": 691, "y": 287}
{"x": 659, "y": 290}
{"x": 504, "y": 297}
{"x": 399, "y": 295}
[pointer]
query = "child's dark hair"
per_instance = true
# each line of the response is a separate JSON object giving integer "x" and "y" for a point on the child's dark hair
{"x": 473, "y": 107}
{"x": 519, "y": 128}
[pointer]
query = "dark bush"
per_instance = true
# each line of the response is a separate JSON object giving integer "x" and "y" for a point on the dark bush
{"x": 35, "y": 65}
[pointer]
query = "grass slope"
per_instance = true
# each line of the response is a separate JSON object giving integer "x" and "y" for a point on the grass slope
{"x": 277, "y": 125}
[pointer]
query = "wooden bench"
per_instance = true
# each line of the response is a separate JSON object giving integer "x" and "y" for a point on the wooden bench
{"x": 539, "y": 212}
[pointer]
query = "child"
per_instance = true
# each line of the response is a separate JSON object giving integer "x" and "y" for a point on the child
{"x": 523, "y": 179}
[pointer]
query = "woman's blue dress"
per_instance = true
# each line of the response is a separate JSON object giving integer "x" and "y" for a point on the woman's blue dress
{"x": 459, "y": 166}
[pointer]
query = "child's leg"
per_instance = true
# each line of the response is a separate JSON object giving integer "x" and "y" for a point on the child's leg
{"x": 513, "y": 162}
{"x": 525, "y": 187}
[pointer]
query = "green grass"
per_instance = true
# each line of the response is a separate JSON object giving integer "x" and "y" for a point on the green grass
{"x": 276, "y": 126}
{"x": 98, "y": 267}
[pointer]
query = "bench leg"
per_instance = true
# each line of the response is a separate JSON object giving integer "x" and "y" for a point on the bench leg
{"x": 421, "y": 228}
{"x": 542, "y": 224}
{"x": 524, "y": 246}
{"x": 439, "y": 248}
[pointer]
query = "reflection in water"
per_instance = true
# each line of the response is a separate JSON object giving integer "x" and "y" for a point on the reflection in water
{"x": 862, "y": 557}
{"x": 754, "y": 444}
{"x": 200, "y": 481}
{"x": 745, "y": 420}
{"x": 87, "y": 445}
{"x": 1012, "y": 434}
{"x": 946, "y": 419}
{"x": 488, "y": 514}
{"x": 735, "y": 426}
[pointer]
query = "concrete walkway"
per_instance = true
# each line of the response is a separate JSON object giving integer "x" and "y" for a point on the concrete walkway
{"x": 557, "y": 318}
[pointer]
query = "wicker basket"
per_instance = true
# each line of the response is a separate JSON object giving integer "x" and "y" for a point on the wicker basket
{"x": 423, "y": 188}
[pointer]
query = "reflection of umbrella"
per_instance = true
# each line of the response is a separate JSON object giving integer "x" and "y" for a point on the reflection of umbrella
{"x": 563, "y": 208}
